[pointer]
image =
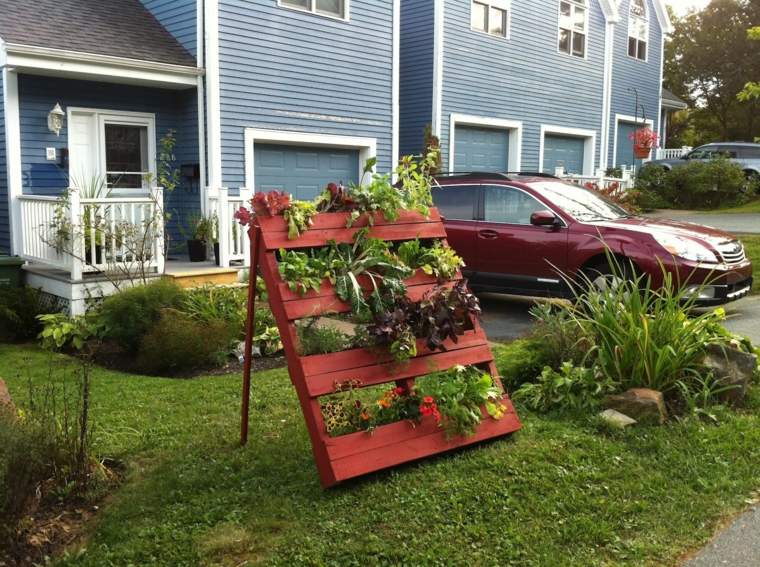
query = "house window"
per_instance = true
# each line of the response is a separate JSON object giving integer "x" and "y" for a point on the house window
{"x": 573, "y": 26}
{"x": 491, "y": 17}
{"x": 126, "y": 155}
{"x": 638, "y": 30}
{"x": 333, "y": 8}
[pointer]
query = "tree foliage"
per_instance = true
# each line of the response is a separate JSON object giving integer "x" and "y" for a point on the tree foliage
{"x": 710, "y": 59}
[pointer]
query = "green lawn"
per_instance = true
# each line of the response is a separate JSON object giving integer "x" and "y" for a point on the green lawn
{"x": 557, "y": 493}
{"x": 752, "y": 247}
{"x": 751, "y": 207}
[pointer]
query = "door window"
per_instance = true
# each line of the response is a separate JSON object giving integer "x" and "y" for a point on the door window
{"x": 456, "y": 202}
{"x": 509, "y": 206}
{"x": 126, "y": 151}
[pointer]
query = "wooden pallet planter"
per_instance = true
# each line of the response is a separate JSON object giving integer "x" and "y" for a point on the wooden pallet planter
{"x": 348, "y": 456}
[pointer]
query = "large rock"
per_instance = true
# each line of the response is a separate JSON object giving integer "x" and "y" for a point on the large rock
{"x": 642, "y": 404}
{"x": 732, "y": 368}
{"x": 616, "y": 419}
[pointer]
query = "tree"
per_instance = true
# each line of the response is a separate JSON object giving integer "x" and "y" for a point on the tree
{"x": 709, "y": 60}
{"x": 752, "y": 89}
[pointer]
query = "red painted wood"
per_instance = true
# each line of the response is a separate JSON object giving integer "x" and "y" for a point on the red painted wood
{"x": 326, "y": 221}
{"x": 356, "y": 358}
{"x": 359, "y": 453}
{"x": 322, "y": 384}
{"x": 302, "y": 308}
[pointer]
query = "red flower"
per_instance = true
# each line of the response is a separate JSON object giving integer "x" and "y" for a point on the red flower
{"x": 428, "y": 400}
{"x": 243, "y": 216}
{"x": 398, "y": 390}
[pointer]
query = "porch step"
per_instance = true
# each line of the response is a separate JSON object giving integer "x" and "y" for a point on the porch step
{"x": 189, "y": 275}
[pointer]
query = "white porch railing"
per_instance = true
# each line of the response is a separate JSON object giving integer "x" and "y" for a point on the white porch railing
{"x": 672, "y": 153}
{"x": 94, "y": 235}
{"x": 233, "y": 238}
{"x": 601, "y": 180}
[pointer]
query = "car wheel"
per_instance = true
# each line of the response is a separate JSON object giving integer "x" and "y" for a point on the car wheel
{"x": 752, "y": 182}
{"x": 603, "y": 277}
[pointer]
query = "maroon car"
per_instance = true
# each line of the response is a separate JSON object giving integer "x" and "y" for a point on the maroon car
{"x": 518, "y": 232}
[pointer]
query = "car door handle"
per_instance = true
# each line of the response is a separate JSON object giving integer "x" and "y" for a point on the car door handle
{"x": 488, "y": 234}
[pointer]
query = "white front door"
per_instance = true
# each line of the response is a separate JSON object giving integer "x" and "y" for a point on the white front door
{"x": 113, "y": 149}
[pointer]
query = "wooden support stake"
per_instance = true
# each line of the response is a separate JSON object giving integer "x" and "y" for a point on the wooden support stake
{"x": 253, "y": 234}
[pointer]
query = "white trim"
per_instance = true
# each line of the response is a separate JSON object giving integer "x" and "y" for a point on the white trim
{"x": 201, "y": 90}
{"x": 609, "y": 59}
{"x": 105, "y": 116}
{"x": 589, "y": 150}
{"x": 574, "y": 5}
{"x": 505, "y": 5}
{"x": 628, "y": 119}
{"x": 213, "y": 96}
{"x": 438, "y": 33}
{"x": 662, "y": 16}
{"x": 396, "y": 83}
{"x": 13, "y": 155}
{"x": 90, "y": 66}
{"x": 313, "y": 10}
{"x": 514, "y": 127}
{"x": 659, "y": 108}
{"x": 367, "y": 146}
{"x": 610, "y": 10}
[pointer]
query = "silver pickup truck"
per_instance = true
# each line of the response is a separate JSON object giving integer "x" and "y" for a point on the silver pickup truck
{"x": 747, "y": 155}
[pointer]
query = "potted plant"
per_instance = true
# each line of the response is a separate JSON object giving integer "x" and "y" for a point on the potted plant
{"x": 215, "y": 239}
{"x": 644, "y": 139}
{"x": 92, "y": 215}
{"x": 201, "y": 231}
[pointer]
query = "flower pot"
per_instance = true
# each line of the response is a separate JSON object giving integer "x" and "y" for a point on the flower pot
{"x": 98, "y": 255}
{"x": 641, "y": 152}
{"x": 196, "y": 250}
{"x": 217, "y": 259}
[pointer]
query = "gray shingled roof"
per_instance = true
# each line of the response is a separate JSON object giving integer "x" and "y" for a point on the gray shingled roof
{"x": 121, "y": 28}
{"x": 670, "y": 100}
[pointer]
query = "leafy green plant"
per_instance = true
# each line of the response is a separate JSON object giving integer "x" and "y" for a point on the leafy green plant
{"x": 128, "y": 315}
{"x": 317, "y": 339}
{"x": 61, "y": 331}
{"x": 199, "y": 227}
{"x": 561, "y": 336}
{"x": 457, "y": 395}
{"x": 572, "y": 387}
{"x": 298, "y": 217}
{"x": 304, "y": 271}
{"x": 436, "y": 260}
{"x": 209, "y": 304}
{"x": 702, "y": 392}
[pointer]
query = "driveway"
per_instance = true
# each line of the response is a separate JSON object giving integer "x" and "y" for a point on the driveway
{"x": 732, "y": 222}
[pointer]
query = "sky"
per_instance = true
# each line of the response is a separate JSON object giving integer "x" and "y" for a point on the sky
{"x": 682, "y": 6}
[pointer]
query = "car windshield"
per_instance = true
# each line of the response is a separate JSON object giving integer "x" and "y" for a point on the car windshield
{"x": 580, "y": 203}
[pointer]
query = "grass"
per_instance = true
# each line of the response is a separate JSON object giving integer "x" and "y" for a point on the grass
{"x": 751, "y": 207}
{"x": 752, "y": 247}
{"x": 560, "y": 492}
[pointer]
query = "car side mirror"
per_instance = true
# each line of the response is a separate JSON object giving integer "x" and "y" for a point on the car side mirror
{"x": 544, "y": 218}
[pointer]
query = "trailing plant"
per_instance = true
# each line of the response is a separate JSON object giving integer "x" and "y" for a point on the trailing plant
{"x": 436, "y": 260}
{"x": 572, "y": 387}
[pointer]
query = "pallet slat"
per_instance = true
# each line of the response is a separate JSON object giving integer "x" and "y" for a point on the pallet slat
{"x": 327, "y": 221}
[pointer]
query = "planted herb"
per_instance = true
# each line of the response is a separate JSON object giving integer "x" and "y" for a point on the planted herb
{"x": 298, "y": 216}
{"x": 437, "y": 260}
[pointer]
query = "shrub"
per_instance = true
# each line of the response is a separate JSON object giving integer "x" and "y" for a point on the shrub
{"x": 210, "y": 304}
{"x": 315, "y": 339}
{"x": 718, "y": 182}
{"x": 653, "y": 187}
{"x": 521, "y": 361}
{"x": 130, "y": 314}
{"x": 572, "y": 387}
{"x": 19, "y": 308}
{"x": 177, "y": 342}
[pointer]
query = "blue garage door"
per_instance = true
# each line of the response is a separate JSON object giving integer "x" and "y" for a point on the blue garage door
{"x": 480, "y": 149}
{"x": 624, "y": 145}
{"x": 566, "y": 151}
{"x": 303, "y": 171}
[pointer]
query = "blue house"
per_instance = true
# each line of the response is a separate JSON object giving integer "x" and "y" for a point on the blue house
{"x": 531, "y": 85}
{"x": 257, "y": 95}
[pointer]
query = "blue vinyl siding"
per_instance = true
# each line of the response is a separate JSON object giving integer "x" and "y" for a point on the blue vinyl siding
{"x": 416, "y": 75}
{"x": 5, "y": 233}
{"x": 282, "y": 69}
{"x": 481, "y": 149}
{"x": 175, "y": 110}
{"x": 523, "y": 78}
{"x": 180, "y": 18}
{"x": 303, "y": 171}
{"x": 629, "y": 73}
{"x": 624, "y": 147}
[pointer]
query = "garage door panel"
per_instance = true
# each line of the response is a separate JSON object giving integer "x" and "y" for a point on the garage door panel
{"x": 566, "y": 151}
{"x": 480, "y": 149}
{"x": 624, "y": 145}
{"x": 303, "y": 171}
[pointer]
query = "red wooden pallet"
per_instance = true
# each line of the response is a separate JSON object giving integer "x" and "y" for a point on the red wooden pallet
{"x": 348, "y": 456}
